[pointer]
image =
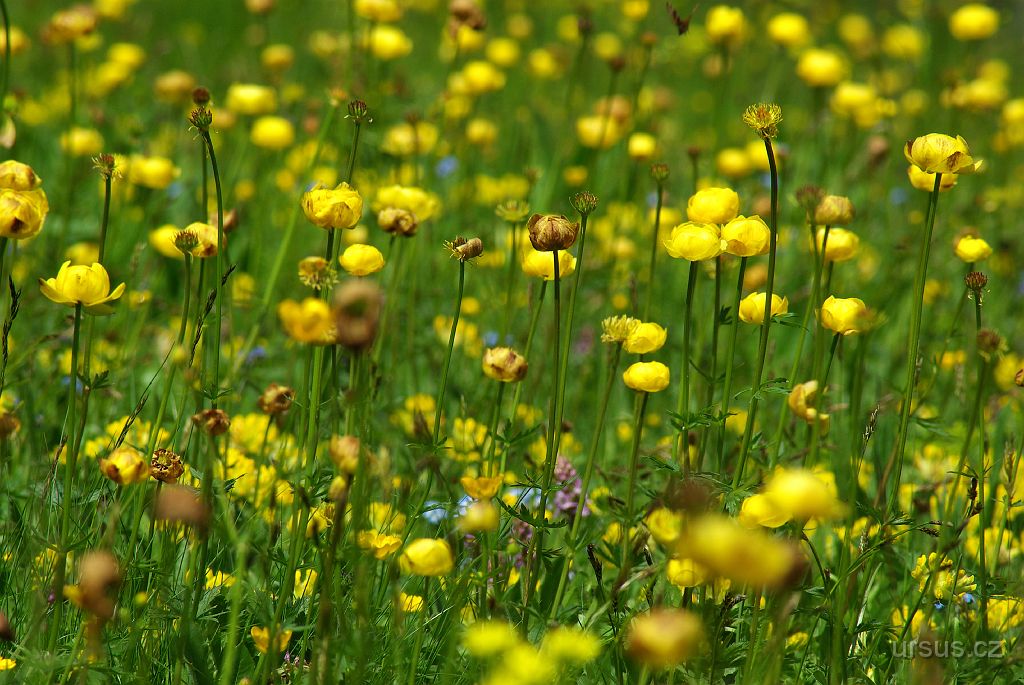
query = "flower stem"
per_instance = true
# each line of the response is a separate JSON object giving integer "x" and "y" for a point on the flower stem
{"x": 634, "y": 461}
{"x": 654, "y": 250}
{"x": 731, "y": 359}
{"x": 219, "y": 274}
{"x": 107, "y": 178}
{"x": 683, "y": 407}
{"x": 448, "y": 354}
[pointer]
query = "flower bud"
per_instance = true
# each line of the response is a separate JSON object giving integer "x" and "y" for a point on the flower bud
{"x": 695, "y": 242}
{"x": 345, "y": 451}
{"x": 327, "y": 208}
{"x": 645, "y": 338}
{"x": 834, "y": 210}
{"x": 465, "y": 250}
{"x": 549, "y": 232}
{"x": 976, "y": 281}
{"x": 646, "y": 377}
{"x": 361, "y": 260}
{"x": 504, "y": 364}
{"x": 746, "y": 236}
{"x": 276, "y": 399}
{"x": 664, "y": 638}
{"x": 427, "y": 557}
{"x": 989, "y": 342}
{"x": 583, "y": 202}
{"x": 397, "y": 220}
{"x": 752, "y": 307}
{"x": 125, "y": 466}
{"x": 316, "y": 273}
{"x": 845, "y": 316}
{"x": 713, "y": 206}
{"x": 212, "y": 421}
{"x": 971, "y": 249}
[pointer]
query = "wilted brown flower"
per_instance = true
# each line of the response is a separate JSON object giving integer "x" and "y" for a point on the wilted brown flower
{"x": 550, "y": 232}
{"x": 276, "y": 399}
{"x": 166, "y": 466}
{"x": 357, "y": 305}
{"x": 212, "y": 421}
{"x": 177, "y": 504}
{"x": 399, "y": 221}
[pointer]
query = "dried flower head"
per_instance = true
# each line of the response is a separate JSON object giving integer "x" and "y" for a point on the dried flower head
{"x": 990, "y": 343}
{"x": 276, "y": 399}
{"x": 177, "y": 504}
{"x": 357, "y": 305}
{"x": 584, "y": 202}
{"x": 201, "y": 96}
{"x": 976, "y": 282}
{"x": 201, "y": 117}
{"x": 809, "y": 197}
{"x": 764, "y": 118}
{"x": 166, "y": 466}
{"x": 212, "y": 421}
{"x": 106, "y": 164}
{"x": 358, "y": 111}
{"x": 463, "y": 249}
{"x": 616, "y": 329}
{"x": 659, "y": 172}
{"x": 397, "y": 220}
{"x": 316, "y": 273}
{"x": 186, "y": 240}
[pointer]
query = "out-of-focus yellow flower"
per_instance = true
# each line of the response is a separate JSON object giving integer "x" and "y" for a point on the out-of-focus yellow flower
{"x": 820, "y": 68}
{"x": 789, "y": 29}
{"x": 842, "y": 245}
{"x": 922, "y": 180}
{"x": 596, "y": 131}
{"x": 973, "y": 21}
{"x": 725, "y": 25}
{"x": 834, "y": 210}
{"x": 261, "y": 638}
{"x": 695, "y": 242}
{"x": 646, "y": 377}
{"x": 642, "y": 146}
{"x": 407, "y": 139}
{"x": 503, "y": 51}
{"x": 565, "y": 644}
{"x": 151, "y": 172}
{"x": 665, "y": 525}
{"x": 381, "y": 545}
{"x": 88, "y": 286}
{"x": 504, "y": 364}
{"x": 729, "y": 550}
{"x": 972, "y": 248}
{"x": 645, "y": 338}
{"x": 7, "y": 664}
{"x": 71, "y": 24}
{"x": 329, "y": 208}
{"x": 82, "y": 253}
{"x": 251, "y": 99}
{"x": 427, "y": 557}
{"x": 761, "y": 510}
{"x": 804, "y": 494}
{"x": 746, "y": 236}
{"x": 664, "y": 638}
{"x": 481, "y": 487}
{"x": 162, "y": 240}
{"x": 479, "y": 517}
{"x": 939, "y": 153}
{"x": 903, "y": 41}
{"x": 713, "y": 206}
{"x": 81, "y": 142}
{"x": 22, "y": 212}
{"x": 305, "y": 583}
{"x": 733, "y": 162}
{"x": 361, "y": 260}
{"x": 309, "y": 321}
{"x": 485, "y": 639}
{"x": 684, "y": 573}
{"x": 203, "y": 235}
{"x": 752, "y": 307}
{"x": 15, "y": 175}
{"x": 480, "y": 76}
{"x": 174, "y": 87}
{"x": 799, "y": 402}
{"x": 422, "y": 204}
{"x": 845, "y": 316}
{"x": 378, "y": 10}
{"x": 125, "y": 466}
{"x": 272, "y": 133}
{"x": 541, "y": 264}
{"x": 388, "y": 42}
{"x": 410, "y": 604}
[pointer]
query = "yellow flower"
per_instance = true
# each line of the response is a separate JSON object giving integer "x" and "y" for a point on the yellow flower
{"x": 504, "y": 364}
{"x": 410, "y": 603}
{"x": 261, "y": 638}
{"x": 18, "y": 176}
{"x": 88, "y": 286}
{"x": 761, "y": 510}
{"x": 942, "y": 154}
{"x": 646, "y": 377}
{"x": 151, "y": 172}
{"x": 541, "y": 264}
{"x": 725, "y": 25}
{"x": 820, "y": 68}
{"x": 685, "y": 573}
{"x": 972, "y": 249}
{"x": 481, "y": 487}
{"x": 922, "y": 180}
{"x": 361, "y": 260}
{"x": 328, "y": 208}
{"x": 479, "y": 517}
{"x": 162, "y": 240}
{"x": 695, "y": 242}
{"x": 746, "y": 236}
{"x": 382, "y": 545}
{"x": 485, "y": 639}
{"x": 427, "y": 557}
{"x": 665, "y": 525}
{"x": 480, "y": 76}
{"x": 206, "y": 237}
{"x": 752, "y": 307}
{"x": 388, "y": 42}
{"x": 309, "y": 321}
{"x": 788, "y": 29}
{"x": 800, "y": 399}
{"x": 973, "y": 21}
{"x": 713, "y": 206}
{"x": 844, "y": 315}
{"x": 251, "y": 99}
{"x": 22, "y": 213}
{"x": 642, "y": 146}
{"x": 7, "y": 664}
{"x": 565, "y": 644}
{"x": 664, "y": 638}
{"x": 595, "y": 131}
{"x": 744, "y": 556}
{"x": 833, "y": 210}
{"x": 842, "y": 245}
{"x": 378, "y": 10}
{"x": 125, "y": 466}
{"x": 420, "y": 203}
{"x": 804, "y": 494}
{"x": 272, "y": 133}
{"x": 81, "y": 142}
{"x": 407, "y": 139}
{"x": 305, "y": 583}
{"x": 645, "y": 338}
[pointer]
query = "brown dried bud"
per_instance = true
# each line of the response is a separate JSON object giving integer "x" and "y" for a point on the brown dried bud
{"x": 98, "y": 578}
{"x": 465, "y": 13}
{"x": 834, "y": 210}
{"x": 504, "y": 364}
{"x": 177, "y": 504}
{"x": 259, "y": 6}
{"x": 230, "y": 220}
{"x": 316, "y": 273}
{"x": 396, "y": 220}
{"x": 201, "y": 117}
{"x": 344, "y": 451}
{"x": 809, "y": 197}
{"x": 617, "y": 63}
{"x": 976, "y": 281}
{"x": 584, "y": 202}
{"x": 989, "y": 342}
{"x": 276, "y": 399}
{"x": 659, "y": 172}
{"x": 186, "y": 241}
{"x": 212, "y": 421}
{"x": 6, "y": 632}
{"x": 550, "y": 232}
{"x": 357, "y": 305}
{"x": 648, "y": 39}
{"x": 201, "y": 96}
{"x": 166, "y": 466}
{"x": 463, "y": 249}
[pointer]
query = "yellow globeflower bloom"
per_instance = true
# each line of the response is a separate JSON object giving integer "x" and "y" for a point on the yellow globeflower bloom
{"x": 713, "y": 206}
{"x": 419, "y": 202}
{"x": 309, "y": 321}
{"x": 261, "y": 638}
{"x": 725, "y": 25}
{"x": 595, "y": 131}
{"x": 251, "y": 99}
{"x": 820, "y": 68}
{"x": 361, "y": 260}
{"x": 664, "y": 638}
{"x": 329, "y": 208}
{"x": 388, "y": 42}
{"x": 151, "y": 172}
{"x": 972, "y": 249}
{"x": 804, "y": 494}
{"x": 746, "y": 236}
{"x": 541, "y": 264}
{"x": 695, "y": 242}
{"x": 162, "y": 240}
{"x": 88, "y": 286}
{"x": 799, "y": 402}
{"x": 642, "y": 146}
{"x": 18, "y": 176}
{"x": 845, "y": 316}
{"x": 973, "y": 21}
{"x": 272, "y": 133}
{"x": 645, "y": 338}
{"x": 205, "y": 239}
{"x": 378, "y": 10}
{"x": 427, "y": 557}
{"x": 647, "y": 377}
{"x": 789, "y": 29}
{"x": 752, "y": 307}
{"x": 842, "y": 245}
{"x": 125, "y": 466}
{"x": 81, "y": 142}
{"x": 504, "y": 364}
{"x": 479, "y": 517}
{"x": 733, "y": 162}
{"x": 22, "y": 213}
{"x": 761, "y": 510}
{"x": 922, "y": 180}
{"x": 939, "y": 153}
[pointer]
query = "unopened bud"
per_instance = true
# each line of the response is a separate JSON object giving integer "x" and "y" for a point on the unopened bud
{"x": 550, "y": 232}
{"x": 659, "y": 172}
{"x": 276, "y": 399}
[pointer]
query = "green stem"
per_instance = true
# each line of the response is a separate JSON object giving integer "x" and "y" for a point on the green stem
{"x": 417, "y": 648}
{"x": 219, "y": 275}
{"x": 654, "y": 251}
{"x": 634, "y": 464}
{"x": 106, "y": 214}
{"x": 448, "y": 354}
{"x": 731, "y": 359}
{"x": 683, "y": 407}
{"x": 812, "y": 459}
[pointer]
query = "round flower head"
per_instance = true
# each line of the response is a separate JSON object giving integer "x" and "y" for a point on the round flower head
{"x": 695, "y": 242}
{"x": 151, "y": 172}
{"x": 922, "y": 180}
{"x": 504, "y": 364}
{"x": 820, "y": 68}
{"x": 334, "y": 208}
{"x": 972, "y": 249}
{"x": 937, "y": 153}
{"x": 361, "y": 260}
{"x": 272, "y": 133}
{"x": 251, "y": 99}
{"x": 752, "y": 307}
{"x": 842, "y": 245}
{"x": 309, "y": 321}
{"x": 713, "y": 206}
{"x": 973, "y": 21}
{"x": 420, "y": 203}
{"x": 18, "y": 176}
{"x": 788, "y": 29}
{"x": 646, "y": 377}
{"x": 834, "y": 210}
{"x": 664, "y": 637}
{"x": 88, "y": 286}
{"x": 550, "y": 232}
{"x": 725, "y": 25}
{"x": 746, "y": 236}
{"x": 205, "y": 239}
{"x": 541, "y": 264}
{"x": 427, "y": 557}
{"x": 388, "y": 42}
{"x": 125, "y": 466}
{"x": 22, "y": 212}
{"x": 645, "y": 338}
{"x": 845, "y": 316}
{"x": 800, "y": 402}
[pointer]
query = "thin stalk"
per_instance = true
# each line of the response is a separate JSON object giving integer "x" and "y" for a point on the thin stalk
{"x": 812, "y": 458}
{"x": 731, "y": 359}
{"x": 683, "y": 407}
{"x": 654, "y": 250}
{"x": 448, "y": 354}
{"x": 107, "y": 178}
{"x": 418, "y": 647}
{"x": 219, "y": 275}
{"x": 634, "y": 462}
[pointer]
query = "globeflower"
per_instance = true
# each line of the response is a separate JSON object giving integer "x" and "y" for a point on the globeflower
{"x": 309, "y": 321}
{"x": 504, "y": 364}
{"x": 125, "y": 466}
{"x": 361, "y": 260}
{"x": 151, "y": 172}
{"x": 272, "y": 133}
{"x": 645, "y": 338}
{"x": 845, "y": 316}
{"x": 18, "y": 176}
{"x": 820, "y": 68}
{"x": 971, "y": 248}
{"x": 85, "y": 286}
{"x": 973, "y": 21}
{"x": 695, "y": 242}
{"x": 804, "y": 494}
{"x": 541, "y": 264}
{"x": 842, "y": 245}
{"x": 22, "y": 212}
{"x": 261, "y": 638}
{"x": 420, "y": 203}
{"x": 327, "y": 208}
{"x": 713, "y": 206}
{"x": 922, "y": 180}
{"x": 551, "y": 232}
{"x": 746, "y": 236}
{"x": 937, "y": 153}
{"x": 427, "y": 557}
{"x": 664, "y": 638}
{"x": 752, "y": 307}
{"x": 725, "y": 25}
{"x": 251, "y": 99}
{"x": 646, "y": 377}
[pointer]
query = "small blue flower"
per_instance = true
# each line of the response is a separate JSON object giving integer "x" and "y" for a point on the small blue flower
{"x": 967, "y": 598}
{"x": 491, "y": 338}
{"x": 256, "y": 354}
{"x": 434, "y": 512}
{"x": 446, "y": 166}
{"x": 940, "y": 606}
